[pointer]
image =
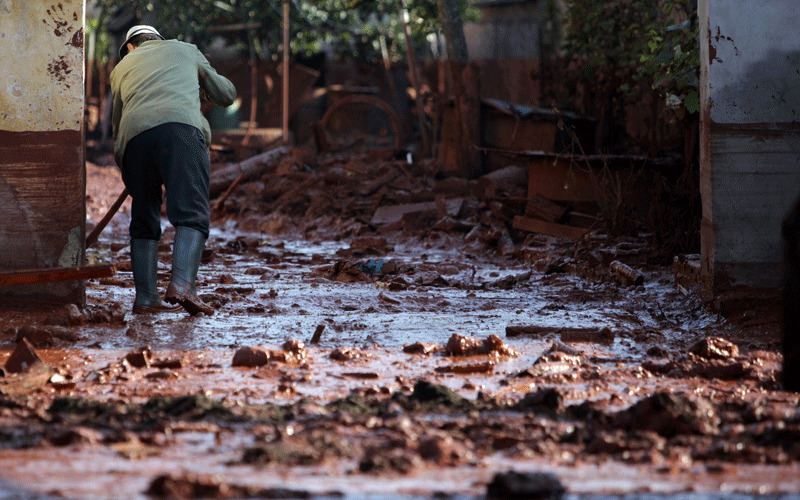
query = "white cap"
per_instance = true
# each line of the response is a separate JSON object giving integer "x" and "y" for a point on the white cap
{"x": 136, "y": 30}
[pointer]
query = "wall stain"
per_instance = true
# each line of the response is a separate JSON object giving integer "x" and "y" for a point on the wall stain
{"x": 58, "y": 21}
{"x": 77, "y": 39}
{"x": 59, "y": 68}
{"x": 712, "y": 49}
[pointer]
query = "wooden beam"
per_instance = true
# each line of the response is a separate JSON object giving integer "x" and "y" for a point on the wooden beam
{"x": 47, "y": 275}
{"x": 548, "y": 228}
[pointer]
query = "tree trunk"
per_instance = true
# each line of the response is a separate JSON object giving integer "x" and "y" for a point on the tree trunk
{"x": 461, "y": 135}
{"x": 453, "y": 30}
{"x": 460, "y": 155}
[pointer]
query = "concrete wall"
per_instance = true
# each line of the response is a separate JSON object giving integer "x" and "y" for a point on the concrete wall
{"x": 42, "y": 171}
{"x": 750, "y": 138}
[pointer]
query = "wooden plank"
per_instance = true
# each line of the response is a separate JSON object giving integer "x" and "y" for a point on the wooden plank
{"x": 548, "y": 228}
{"x": 393, "y": 213}
{"x": 52, "y": 274}
{"x": 539, "y": 207}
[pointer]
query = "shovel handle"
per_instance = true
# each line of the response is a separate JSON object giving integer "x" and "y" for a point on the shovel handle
{"x": 92, "y": 238}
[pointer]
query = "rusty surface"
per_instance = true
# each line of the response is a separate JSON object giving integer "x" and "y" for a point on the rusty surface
{"x": 42, "y": 205}
{"x": 54, "y": 274}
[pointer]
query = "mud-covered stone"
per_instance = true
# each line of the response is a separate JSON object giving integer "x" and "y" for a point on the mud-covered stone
{"x": 140, "y": 358}
{"x": 23, "y": 357}
{"x": 657, "y": 352}
{"x": 421, "y": 348}
{"x": 460, "y": 345}
{"x": 286, "y": 453}
{"x": 250, "y": 357}
{"x": 76, "y": 435}
{"x": 549, "y": 398}
{"x": 191, "y": 486}
{"x": 430, "y": 278}
{"x": 617, "y": 441}
{"x": 525, "y": 485}
{"x": 379, "y": 460}
{"x": 47, "y": 336}
{"x": 347, "y": 354}
{"x": 715, "y": 348}
{"x": 670, "y": 414}
{"x": 69, "y": 315}
{"x": 443, "y": 450}
{"x": 437, "y": 395}
{"x": 346, "y": 272}
{"x": 294, "y": 346}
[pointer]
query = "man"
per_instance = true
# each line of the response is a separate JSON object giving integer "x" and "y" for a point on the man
{"x": 161, "y": 138}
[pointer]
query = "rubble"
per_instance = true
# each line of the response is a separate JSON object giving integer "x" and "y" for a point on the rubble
{"x": 459, "y": 345}
{"x": 405, "y": 376}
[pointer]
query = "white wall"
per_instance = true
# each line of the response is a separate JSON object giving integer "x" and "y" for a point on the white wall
{"x": 750, "y": 137}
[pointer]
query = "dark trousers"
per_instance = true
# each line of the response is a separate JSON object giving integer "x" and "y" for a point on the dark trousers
{"x": 173, "y": 155}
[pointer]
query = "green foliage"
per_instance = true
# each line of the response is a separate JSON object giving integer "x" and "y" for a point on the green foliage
{"x": 349, "y": 27}
{"x": 102, "y": 41}
{"x": 619, "y": 43}
{"x": 672, "y": 60}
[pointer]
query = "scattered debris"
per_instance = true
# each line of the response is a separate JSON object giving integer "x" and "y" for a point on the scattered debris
{"x": 317, "y": 334}
{"x": 22, "y": 358}
{"x": 670, "y": 414}
{"x": 715, "y": 348}
{"x": 459, "y": 345}
{"x": 192, "y": 486}
{"x": 292, "y": 352}
{"x": 421, "y": 348}
{"x": 626, "y": 273}
{"x": 348, "y": 354}
{"x": 140, "y": 358}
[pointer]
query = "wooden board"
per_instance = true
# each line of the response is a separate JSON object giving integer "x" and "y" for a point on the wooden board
{"x": 548, "y": 228}
{"x": 54, "y": 274}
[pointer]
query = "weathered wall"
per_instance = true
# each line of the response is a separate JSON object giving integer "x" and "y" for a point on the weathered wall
{"x": 506, "y": 46}
{"x": 750, "y": 137}
{"x": 42, "y": 174}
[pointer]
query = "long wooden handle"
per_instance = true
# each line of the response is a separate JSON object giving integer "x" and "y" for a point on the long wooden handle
{"x": 92, "y": 238}
{"x": 50, "y": 274}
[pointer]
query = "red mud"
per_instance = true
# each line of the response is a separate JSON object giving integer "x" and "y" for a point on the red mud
{"x": 439, "y": 359}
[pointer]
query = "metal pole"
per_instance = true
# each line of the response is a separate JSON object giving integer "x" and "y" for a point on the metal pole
{"x": 285, "y": 71}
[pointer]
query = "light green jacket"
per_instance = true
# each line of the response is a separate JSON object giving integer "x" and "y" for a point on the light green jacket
{"x": 159, "y": 82}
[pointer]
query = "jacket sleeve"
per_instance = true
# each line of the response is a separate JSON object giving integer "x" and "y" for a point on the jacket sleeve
{"x": 215, "y": 87}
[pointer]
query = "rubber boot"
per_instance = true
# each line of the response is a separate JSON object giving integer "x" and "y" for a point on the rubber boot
{"x": 186, "y": 253}
{"x": 144, "y": 264}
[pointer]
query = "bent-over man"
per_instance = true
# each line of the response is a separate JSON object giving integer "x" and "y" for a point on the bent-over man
{"x": 162, "y": 138}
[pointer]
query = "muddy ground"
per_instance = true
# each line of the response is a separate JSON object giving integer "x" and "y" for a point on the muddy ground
{"x": 438, "y": 353}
